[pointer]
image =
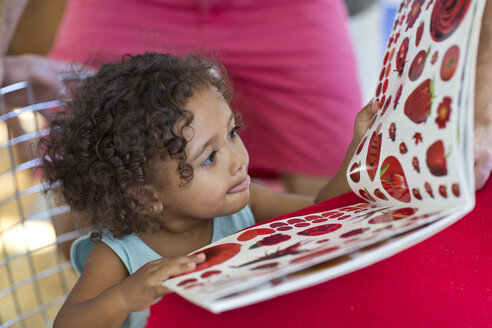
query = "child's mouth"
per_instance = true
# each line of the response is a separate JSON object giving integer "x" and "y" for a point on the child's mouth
{"x": 240, "y": 187}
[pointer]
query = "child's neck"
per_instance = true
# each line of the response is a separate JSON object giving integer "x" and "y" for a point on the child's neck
{"x": 178, "y": 241}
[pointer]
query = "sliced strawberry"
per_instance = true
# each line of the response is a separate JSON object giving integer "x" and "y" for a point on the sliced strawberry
{"x": 393, "y": 179}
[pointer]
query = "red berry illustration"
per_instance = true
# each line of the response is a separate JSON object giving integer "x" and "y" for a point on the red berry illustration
{"x": 392, "y": 131}
{"x": 270, "y": 240}
{"x": 414, "y": 12}
{"x": 252, "y": 233}
{"x": 355, "y": 172}
{"x": 397, "y": 97}
{"x": 401, "y": 57}
{"x": 361, "y": 145}
{"x": 417, "y": 137}
{"x": 372, "y": 159}
{"x": 455, "y": 188}
{"x": 450, "y": 63}
{"x": 383, "y": 70}
{"x": 415, "y": 164}
{"x": 436, "y": 159}
{"x": 403, "y": 148}
{"x": 428, "y": 188}
{"x": 386, "y": 105}
{"x": 442, "y": 191}
{"x": 420, "y": 32}
{"x": 416, "y": 193}
{"x": 379, "y": 194}
{"x": 366, "y": 195}
{"x": 446, "y": 17}
{"x": 434, "y": 57}
{"x": 217, "y": 254}
{"x": 443, "y": 112}
{"x": 320, "y": 230}
{"x": 393, "y": 179}
{"x": 418, "y": 104}
{"x": 418, "y": 65}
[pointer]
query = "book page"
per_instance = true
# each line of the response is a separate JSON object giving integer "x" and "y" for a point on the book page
{"x": 414, "y": 169}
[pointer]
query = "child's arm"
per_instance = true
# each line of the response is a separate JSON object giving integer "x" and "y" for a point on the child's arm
{"x": 105, "y": 294}
{"x": 266, "y": 203}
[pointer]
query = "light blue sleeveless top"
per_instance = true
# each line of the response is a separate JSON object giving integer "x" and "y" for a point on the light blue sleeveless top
{"x": 134, "y": 252}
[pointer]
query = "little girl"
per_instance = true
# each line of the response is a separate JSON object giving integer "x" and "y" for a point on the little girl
{"x": 149, "y": 148}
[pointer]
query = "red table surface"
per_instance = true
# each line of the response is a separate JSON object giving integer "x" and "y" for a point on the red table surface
{"x": 444, "y": 281}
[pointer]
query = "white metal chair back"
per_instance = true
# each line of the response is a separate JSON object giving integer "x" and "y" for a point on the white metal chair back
{"x": 35, "y": 233}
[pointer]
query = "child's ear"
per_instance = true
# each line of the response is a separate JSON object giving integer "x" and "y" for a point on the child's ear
{"x": 146, "y": 198}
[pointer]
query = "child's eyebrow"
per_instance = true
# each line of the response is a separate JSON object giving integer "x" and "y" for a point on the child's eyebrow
{"x": 210, "y": 141}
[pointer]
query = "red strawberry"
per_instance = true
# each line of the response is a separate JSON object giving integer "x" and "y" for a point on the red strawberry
{"x": 416, "y": 193}
{"x": 401, "y": 57}
{"x": 428, "y": 188}
{"x": 379, "y": 194}
{"x": 442, "y": 191}
{"x": 420, "y": 32}
{"x": 418, "y": 104}
{"x": 355, "y": 172}
{"x": 436, "y": 160}
{"x": 393, "y": 179}
{"x": 418, "y": 65}
{"x": 403, "y": 148}
{"x": 455, "y": 188}
{"x": 392, "y": 131}
{"x": 415, "y": 163}
{"x": 372, "y": 159}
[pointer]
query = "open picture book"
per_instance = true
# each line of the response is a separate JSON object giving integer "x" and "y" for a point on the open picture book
{"x": 413, "y": 170}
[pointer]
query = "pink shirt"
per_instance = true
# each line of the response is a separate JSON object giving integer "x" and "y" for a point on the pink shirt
{"x": 291, "y": 63}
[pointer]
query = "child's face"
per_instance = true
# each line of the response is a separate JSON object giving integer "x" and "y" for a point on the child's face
{"x": 220, "y": 185}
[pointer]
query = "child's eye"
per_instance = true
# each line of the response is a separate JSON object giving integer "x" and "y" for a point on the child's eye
{"x": 210, "y": 160}
{"x": 233, "y": 132}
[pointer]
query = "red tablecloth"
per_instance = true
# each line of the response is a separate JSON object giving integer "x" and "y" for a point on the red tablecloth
{"x": 444, "y": 281}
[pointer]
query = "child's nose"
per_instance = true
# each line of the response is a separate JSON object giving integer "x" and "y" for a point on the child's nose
{"x": 239, "y": 159}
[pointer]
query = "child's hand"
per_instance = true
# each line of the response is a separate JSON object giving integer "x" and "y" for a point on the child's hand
{"x": 139, "y": 290}
{"x": 363, "y": 119}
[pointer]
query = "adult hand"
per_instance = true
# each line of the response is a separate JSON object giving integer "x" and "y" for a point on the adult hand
{"x": 483, "y": 155}
{"x": 44, "y": 73}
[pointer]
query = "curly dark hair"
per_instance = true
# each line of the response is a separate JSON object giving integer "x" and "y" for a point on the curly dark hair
{"x": 130, "y": 112}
